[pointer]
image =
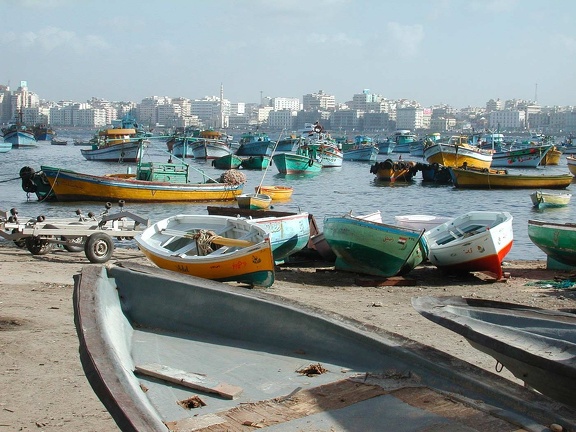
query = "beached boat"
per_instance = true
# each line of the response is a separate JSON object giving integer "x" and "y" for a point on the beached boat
{"x": 421, "y": 221}
{"x": 304, "y": 161}
{"x": 255, "y": 144}
{"x": 470, "y": 178}
{"x": 526, "y": 157}
{"x": 542, "y": 199}
{"x": 557, "y": 240}
{"x": 289, "y": 232}
{"x": 391, "y": 171}
{"x": 365, "y": 245}
{"x": 220, "y": 248}
{"x": 537, "y": 345}
{"x": 256, "y": 162}
{"x": 230, "y": 161}
{"x": 457, "y": 152}
{"x": 277, "y": 193}
{"x": 164, "y": 351}
{"x": 254, "y": 201}
{"x": 571, "y": 162}
{"x": 473, "y": 241}
{"x": 153, "y": 182}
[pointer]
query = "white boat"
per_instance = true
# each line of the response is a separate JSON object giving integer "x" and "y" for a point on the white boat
{"x": 571, "y": 162}
{"x": 541, "y": 199}
{"x": 421, "y": 221}
{"x": 209, "y": 149}
{"x": 474, "y": 241}
{"x": 526, "y": 157}
{"x": 220, "y": 248}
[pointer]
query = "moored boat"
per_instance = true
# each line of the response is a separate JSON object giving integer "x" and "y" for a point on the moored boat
{"x": 304, "y": 161}
{"x": 362, "y": 149}
{"x": 557, "y": 240}
{"x": 43, "y": 133}
{"x": 230, "y": 161}
{"x": 571, "y": 162}
{"x": 552, "y": 157}
{"x": 391, "y": 171}
{"x": 537, "y": 345}
{"x": 5, "y": 147}
{"x": 526, "y": 157}
{"x": 402, "y": 139}
{"x": 116, "y": 144}
{"x": 254, "y": 201}
{"x": 473, "y": 241}
{"x": 56, "y": 141}
{"x": 470, "y": 178}
{"x": 209, "y": 145}
{"x": 456, "y": 152}
{"x": 256, "y": 162}
{"x": 220, "y": 248}
{"x": 277, "y": 193}
{"x": 165, "y": 351}
{"x": 153, "y": 182}
{"x": 365, "y": 245}
{"x": 19, "y": 136}
{"x": 542, "y": 199}
{"x": 255, "y": 144}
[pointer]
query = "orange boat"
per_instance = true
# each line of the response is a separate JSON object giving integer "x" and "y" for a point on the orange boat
{"x": 277, "y": 193}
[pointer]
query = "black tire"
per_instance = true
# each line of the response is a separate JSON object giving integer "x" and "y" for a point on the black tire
{"x": 78, "y": 245}
{"x": 21, "y": 242}
{"x": 98, "y": 248}
{"x": 37, "y": 245}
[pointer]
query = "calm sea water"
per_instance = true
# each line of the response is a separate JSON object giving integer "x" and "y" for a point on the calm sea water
{"x": 329, "y": 193}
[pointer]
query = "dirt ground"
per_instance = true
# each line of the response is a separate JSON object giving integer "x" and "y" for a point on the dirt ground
{"x": 42, "y": 381}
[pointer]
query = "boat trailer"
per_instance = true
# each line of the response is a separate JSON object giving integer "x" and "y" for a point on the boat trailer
{"x": 92, "y": 234}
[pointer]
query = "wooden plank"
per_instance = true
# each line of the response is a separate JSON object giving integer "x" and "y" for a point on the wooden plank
{"x": 189, "y": 379}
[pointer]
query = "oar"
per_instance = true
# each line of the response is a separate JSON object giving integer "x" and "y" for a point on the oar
{"x": 225, "y": 241}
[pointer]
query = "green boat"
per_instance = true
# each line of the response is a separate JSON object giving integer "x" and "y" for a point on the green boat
{"x": 375, "y": 248}
{"x": 557, "y": 240}
{"x": 230, "y": 161}
{"x": 255, "y": 162}
{"x": 304, "y": 161}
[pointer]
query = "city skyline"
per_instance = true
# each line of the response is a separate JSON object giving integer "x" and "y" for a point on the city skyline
{"x": 438, "y": 52}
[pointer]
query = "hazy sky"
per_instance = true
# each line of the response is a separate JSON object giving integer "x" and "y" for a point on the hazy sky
{"x": 459, "y": 52}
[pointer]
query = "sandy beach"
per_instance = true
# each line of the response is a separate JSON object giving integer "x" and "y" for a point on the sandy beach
{"x": 43, "y": 384}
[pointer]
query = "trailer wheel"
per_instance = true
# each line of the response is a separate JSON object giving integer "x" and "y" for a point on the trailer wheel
{"x": 21, "y": 242}
{"x": 99, "y": 248}
{"x": 76, "y": 243}
{"x": 37, "y": 245}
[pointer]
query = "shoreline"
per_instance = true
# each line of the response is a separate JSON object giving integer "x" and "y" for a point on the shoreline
{"x": 41, "y": 365}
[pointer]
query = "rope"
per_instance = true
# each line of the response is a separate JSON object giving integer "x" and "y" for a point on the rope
{"x": 15, "y": 178}
{"x": 204, "y": 242}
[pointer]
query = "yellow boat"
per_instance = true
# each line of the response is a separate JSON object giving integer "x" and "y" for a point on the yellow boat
{"x": 471, "y": 178}
{"x": 571, "y": 161}
{"x": 456, "y": 152}
{"x": 277, "y": 193}
{"x": 552, "y": 157}
{"x": 220, "y": 248}
{"x": 254, "y": 201}
{"x": 154, "y": 182}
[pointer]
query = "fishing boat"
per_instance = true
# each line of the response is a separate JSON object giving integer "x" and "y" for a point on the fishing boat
{"x": 457, "y": 152}
{"x": 277, "y": 193}
{"x": 165, "y": 351}
{"x": 364, "y": 245}
{"x": 557, "y": 240}
{"x": 470, "y": 178}
{"x": 43, "y": 133}
{"x": 256, "y": 162}
{"x": 56, "y": 141}
{"x": 571, "y": 162}
{"x": 321, "y": 146}
{"x": 255, "y": 144}
{"x": 385, "y": 146}
{"x": 421, "y": 221}
{"x": 153, "y": 182}
{"x": 304, "y": 161}
{"x": 209, "y": 145}
{"x": 391, "y": 171}
{"x": 473, "y": 241}
{"x": 288, "y": 144}
{"x": 230, "y": 161}
{"x": 526, "y": 157}
{"x": 363, "y": 149}
{"x": 542, "y": 199}
{"x": 552, "y": 157}
{"x": 254, "y": 201}
{"x": 289, "y": 232}
{"x": 19, "y": 136}
{"x": 537, "y": 345}
{"x": 402, "y": 139}
{"x": 220, "y": 248}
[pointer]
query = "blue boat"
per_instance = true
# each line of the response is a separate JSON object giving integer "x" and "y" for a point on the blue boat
{"x": 43, "y": 133}
{"x": 403, "y": 138}
{"x": 5, "y": 147}
{"x": 363, "y": 149}
{"x": 255, "y": 144}
{"x": 19, "y": 136}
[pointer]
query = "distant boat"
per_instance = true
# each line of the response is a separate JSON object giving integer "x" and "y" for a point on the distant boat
{"x": 385, "y": 146}
{"x": 552, "y": 157}
{"x": 220, "y": 248}
{"x": 473, "y": 241}
{"x": 5, "y": 147}
{"x": 230, "y": 161}
{"x": 55, "y": 141}
{"x": 277, "y": 193}
{"x": 537, "y": 345}
{"x": 399, "y": 171}
{"x": 43, "y": 133}
{"x": 255, "y": 144}
{"x": 571, "y": 162}
{"x": 457, "y": 152}
{"x": 256, "y": 162}
{"x": 364, "y": 245}
{"x": 363, "y": 149}
{"x": 542, "y": 199}
{"x": 557, "y": 240}
{"x": 288, "y": 144}
{"x": 209, "y": 145}
{"x": 19, "y": 136}
{"x": 470, "y": 178}
{"x": 165, "y": 351}
{"x": 402, "y": 139}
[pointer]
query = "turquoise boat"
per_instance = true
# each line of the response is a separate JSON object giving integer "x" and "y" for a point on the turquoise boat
{"x": 557, "y": 240}
{"x": 375, "y": 248}
{"x": 230, "y": 161}
{"x": 256, "y": 162}
{"x": 304, "y": 161}
{"x": 255, "y": 144}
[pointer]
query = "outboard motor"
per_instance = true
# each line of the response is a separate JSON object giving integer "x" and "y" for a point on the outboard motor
{"x": 27, "y": 175}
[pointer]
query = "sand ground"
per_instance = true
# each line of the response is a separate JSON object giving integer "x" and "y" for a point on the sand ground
{"x": 43, "y": 387}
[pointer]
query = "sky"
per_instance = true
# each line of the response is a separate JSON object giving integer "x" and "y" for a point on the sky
{"x": 456, "y": 52}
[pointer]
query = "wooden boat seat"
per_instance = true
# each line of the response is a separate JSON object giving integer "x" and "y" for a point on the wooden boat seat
{"x": 466, "y": 232}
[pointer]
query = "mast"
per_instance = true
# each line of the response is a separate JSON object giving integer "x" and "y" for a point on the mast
{"x": 222, "y": 106}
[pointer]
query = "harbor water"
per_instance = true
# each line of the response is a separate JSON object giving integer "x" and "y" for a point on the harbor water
{"x": 332, "y": 192}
